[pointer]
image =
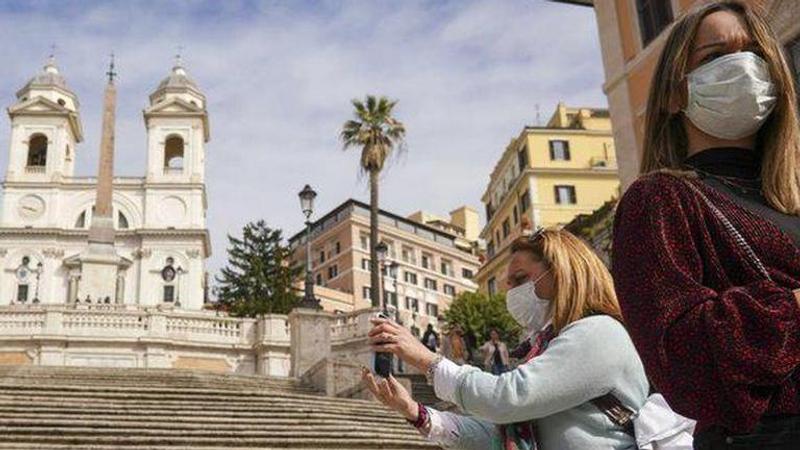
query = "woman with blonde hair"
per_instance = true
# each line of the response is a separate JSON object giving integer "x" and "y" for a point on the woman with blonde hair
{"x": 581, "y": 364}
{"x": 706, "y": 254}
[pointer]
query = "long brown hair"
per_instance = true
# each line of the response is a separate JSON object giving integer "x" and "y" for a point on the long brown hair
{"x": 583, "y": 285}
{"x": 665, "y": 141}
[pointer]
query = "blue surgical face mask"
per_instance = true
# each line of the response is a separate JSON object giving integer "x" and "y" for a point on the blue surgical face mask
{"x": 731, "y": 96}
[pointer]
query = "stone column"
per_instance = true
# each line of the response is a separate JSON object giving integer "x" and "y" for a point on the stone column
{"x": 310, "y": 332}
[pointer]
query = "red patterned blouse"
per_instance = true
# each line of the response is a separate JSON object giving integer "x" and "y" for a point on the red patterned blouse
{"x": 718, "y": 340}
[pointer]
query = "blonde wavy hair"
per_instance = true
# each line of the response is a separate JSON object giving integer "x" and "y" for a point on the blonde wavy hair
{"x": 583, "y": 284}
{"x": 665, "y": 141}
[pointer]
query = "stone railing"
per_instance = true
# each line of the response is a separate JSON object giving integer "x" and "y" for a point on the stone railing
{"x": 118, "y": 335}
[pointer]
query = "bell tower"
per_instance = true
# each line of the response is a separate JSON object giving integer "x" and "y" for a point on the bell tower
{"x": 177, "y": 130}
{"x": 45, "y": 127}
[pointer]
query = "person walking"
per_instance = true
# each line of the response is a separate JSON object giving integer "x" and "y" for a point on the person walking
{"x": 581, "y": 360}
{"x": 706, "y": 255}
{"x": 495, "y": 354}
{"x": 430, "y": 338}
{"x": 453, "y": 346}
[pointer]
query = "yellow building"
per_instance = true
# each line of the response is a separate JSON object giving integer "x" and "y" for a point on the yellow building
{"x": 632, "y": 35}
{"x": 546, "y": 176}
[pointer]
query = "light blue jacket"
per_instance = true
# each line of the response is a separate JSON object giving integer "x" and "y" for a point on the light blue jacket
{"x": 589, "y": 358}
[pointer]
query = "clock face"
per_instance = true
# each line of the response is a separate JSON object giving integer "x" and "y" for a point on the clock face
{"x": 30, "y": 207}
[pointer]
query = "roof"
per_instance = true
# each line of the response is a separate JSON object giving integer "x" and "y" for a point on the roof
{"x": 350, "y": 202}
{"x": 576, "y": 2}
{"x": 49, "y": 77}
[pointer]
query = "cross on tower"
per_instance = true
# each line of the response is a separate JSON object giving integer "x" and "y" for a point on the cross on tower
{"x": 111, "y": 74}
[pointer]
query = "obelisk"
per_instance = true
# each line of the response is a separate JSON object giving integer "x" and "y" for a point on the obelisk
{"x": 100, "y": 262}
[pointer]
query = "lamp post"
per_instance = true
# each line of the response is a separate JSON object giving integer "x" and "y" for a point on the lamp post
{"x": 179, "y": 271}
{"x": 382, "y": 249}
{"x": 39, "y": 268}
{"x": 307, "y": 196}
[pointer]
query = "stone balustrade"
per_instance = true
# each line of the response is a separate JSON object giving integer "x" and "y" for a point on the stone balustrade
{"x": 124, "y": 335}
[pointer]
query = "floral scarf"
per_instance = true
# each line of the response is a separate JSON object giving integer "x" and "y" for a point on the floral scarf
{"x": 522, "y": 435}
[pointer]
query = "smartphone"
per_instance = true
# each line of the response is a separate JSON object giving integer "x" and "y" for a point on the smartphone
{"x": 383, "y": 360}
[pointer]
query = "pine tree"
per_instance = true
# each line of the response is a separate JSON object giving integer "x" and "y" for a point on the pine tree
{"x": 258, "y": 277}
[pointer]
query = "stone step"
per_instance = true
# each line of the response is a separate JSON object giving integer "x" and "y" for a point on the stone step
{"x": 101, "y": 427}
{"x": 86, "y": 442}
{"x": 318, "y": 446}
{"x": 275, "y": 411}
{"x": 168, "y": 421}
{"x": 124, "y": 409}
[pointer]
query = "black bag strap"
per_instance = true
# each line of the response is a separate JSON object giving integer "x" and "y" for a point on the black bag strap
{"x": 612, "y": 407}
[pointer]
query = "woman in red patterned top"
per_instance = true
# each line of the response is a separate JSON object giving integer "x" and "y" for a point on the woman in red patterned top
{"x": 707, "y": 241}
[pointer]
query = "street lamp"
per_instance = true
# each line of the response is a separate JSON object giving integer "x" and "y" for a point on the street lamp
{"x": 180, "y": 272}
{"x": 39, "y": 268}
{"x": 382, "y": 249}
{"x": 307, "y": 196}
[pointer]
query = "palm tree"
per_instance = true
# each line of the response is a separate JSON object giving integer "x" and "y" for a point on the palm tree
{"x": 378, "y": 135}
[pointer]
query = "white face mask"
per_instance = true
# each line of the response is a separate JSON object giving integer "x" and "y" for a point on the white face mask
{"x": 731, "y": 96}
{"x": 526, "y": 307}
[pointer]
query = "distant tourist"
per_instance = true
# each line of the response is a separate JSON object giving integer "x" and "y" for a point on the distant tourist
{"x": 495, "y": 354}
{"x": 430, "y": 339}
{"x": 453, "y": 347}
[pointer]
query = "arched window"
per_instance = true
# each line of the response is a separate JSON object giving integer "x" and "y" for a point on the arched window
{"x": 173, "y": 154}
{"x": 37, "y": 151}
{"x": 122, "y": 221}
{"x": 81, "y": 222}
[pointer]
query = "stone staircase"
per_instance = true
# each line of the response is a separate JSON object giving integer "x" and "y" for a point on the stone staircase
{"x": 47, "y": 408}
{"x": 421, "y": 391}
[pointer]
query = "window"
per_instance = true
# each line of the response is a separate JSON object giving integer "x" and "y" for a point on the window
{"x": 427, "y": 261}
{"x": 432, "y": 310}
{"x": 497, "y": 237}
{"x": 173, "y": 154}
{"x": 515, "y": 216}
{"x": 467, "y": 273}
{"x": 122, "y": 221}
{"x": 337, "y": 248}
{"x": 319, "y": 279}
{"x": 446, "y": 267}
{"x": 559, "y": 150}
{"x": 321, "y": 256}
{"x": 366, "y": 293}
{"x": 412, "y": 304}
{"x": 22, "y": 293}
{"x": 490, "y": 248}
{"x": 37, "y": 151}
{"x": 390, "y": 298}
{"x": 169, "y": 293}
{"x": 81, "y": 221}
{"x": 565, "y": 195}
{"x": 449, "y": 290}
{"x": 365, "y": 263}
{"x": 522, "y": 158}
{"x": 333, "y": 271}
{"x": 430, "y": 284}
{"x": 506, "y": 228}
{"x": 410, "y": 277}
{"x": 654, "y": 16}
{"x": 489, "y": 211}
{"x": 491, "y": 286}
{"x": 525, "y": 201}
{"x": 408, "y": 255}
{"x": 364, "y": 238}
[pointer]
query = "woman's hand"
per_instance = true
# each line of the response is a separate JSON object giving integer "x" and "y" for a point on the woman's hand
{"x": 387, "y": 336}
{"x": 392, "y": 394}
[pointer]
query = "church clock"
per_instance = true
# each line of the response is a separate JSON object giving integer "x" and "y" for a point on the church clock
{"x": 30, "y": 207}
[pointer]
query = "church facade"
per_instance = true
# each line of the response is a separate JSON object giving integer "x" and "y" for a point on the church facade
{"x": 159, "y": 219}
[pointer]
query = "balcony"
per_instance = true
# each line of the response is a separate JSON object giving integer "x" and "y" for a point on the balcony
{"x": 35, "y": 169}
